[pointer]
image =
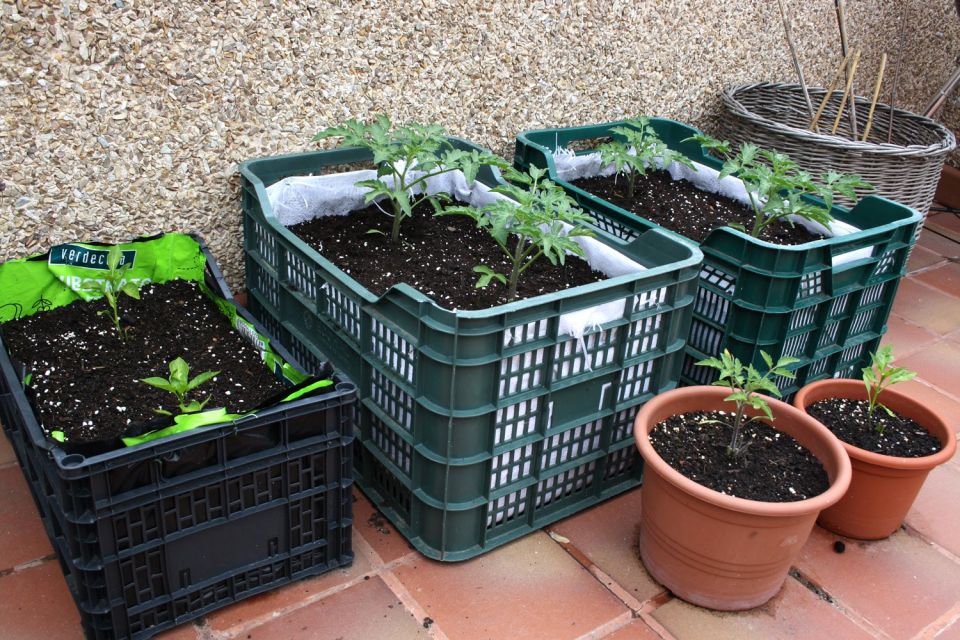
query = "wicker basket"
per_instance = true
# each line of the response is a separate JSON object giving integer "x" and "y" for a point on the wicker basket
{"x": 774, "y": 116}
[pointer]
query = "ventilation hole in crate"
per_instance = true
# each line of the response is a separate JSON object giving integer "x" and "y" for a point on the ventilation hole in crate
{"x": 143, "y": 576}
{"x": 565, "y": 484}
{"x": 811, "y": 284}
{"x": 712, "y": 306}
{"x": 393, "y": 491}
{"x": 719, "y": 278}
{"x": 511, "y": 466}
{"x": 620, "y": 463}
{"x": 862, "y": 322}
{"x": 621, "y": 427}
{"x": 303, "y": 355}
{"x": 818, "y": 367}
{"x": 301, "y": 275}
{"x": 341, "y": 309}
{"x": 644, "y": 336}
{"x": 250, "y": 490}
{"x": 265, "y": 284}
{"x": 392, "y": 400}
{"x": 521, "y": 372}
{"x": 593, "y": 351}
{"x": 805, "y": 318}
{"x": 650, "y": 299}
{"x": 265, "y": 244}
{"x": 795, "y": 345}
{"x": 137, "y": 526}
{"x": 613, "y": 227}
{"x": 397, "y": 450}
{"x": 839, "y": 305}
{"x": 570, "y": 445}
{"x": 308, "y": 520}
{"x": 635, "y": 381}
{"x": 829, "y": 336}
{"x": 524, "y": 333}
{"x": 191, "y": 508}
{"x": 506, "y": 508}
{"x": 885, "y": 265}
{"x": 392, "y": 350}
{"x": 516, "y": 421}
{"x": 705, "y": 338}
{"x": 697, "y": 374}
{"x": 874, "y": 294}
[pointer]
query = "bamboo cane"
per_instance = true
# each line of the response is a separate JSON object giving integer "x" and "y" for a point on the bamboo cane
{"x": 788, "y": 29}
{"x": 842, "y": 22}
{"x": 846, "y": 91}
{"x": 896, "y": 75}
{"x": 830, "y": 89}
{"x": 876, "y": 95}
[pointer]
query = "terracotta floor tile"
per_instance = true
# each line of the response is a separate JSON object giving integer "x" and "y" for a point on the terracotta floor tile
{"x": 951, "y": 632}
{"x": 185, "y": 631}
{"x": 530, "y": 588}
{"x": 934, "y": 398}
{"x": 22, "y": 537}
{"x": 938, "y": 364}
{"x": 936, "y": 512}
{"x": 927, "y": 307}
{"x": 948, "y": 222}
{"x": 946, "y": 278}
{"x": 900, "y": 584}
{"x": 35, "y": 603}
{"x": 7, "y": 456}
{"x": 906, "y": 337}
{"x": 377, "y": 531}
{"x": 364, "y": 611}
{"x": 939, "y": 244}
{"x": 921, "y": 258}
{"x": 242, "y": 613}
{"x": 636, "y": 630}
{"x": 795, "y": 612}
{"x": 607, "y": 535}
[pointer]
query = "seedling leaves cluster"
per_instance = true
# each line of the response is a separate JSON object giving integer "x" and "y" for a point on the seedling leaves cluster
{"x": 180, "y": 384}
{"x": 878, "y": 376}
{"x": 637, "y": 151}
{"x": 111, "y": 285}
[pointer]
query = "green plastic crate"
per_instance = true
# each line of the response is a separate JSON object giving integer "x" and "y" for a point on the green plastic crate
{"x": 755, "y": 295}
{"x": 458, "y": 408}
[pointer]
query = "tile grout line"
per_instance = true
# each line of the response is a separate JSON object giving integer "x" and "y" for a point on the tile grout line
{"x": 413, "y": 606}
{"x": 914, "y": 533}
{"x": 931, "y": 630}
{"x": 29, "y": 564}
{"x": 818, "y": 590}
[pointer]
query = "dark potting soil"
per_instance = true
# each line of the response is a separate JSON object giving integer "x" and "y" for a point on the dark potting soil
{"x": 86, "y": 381}
{"x": 850, "y": 421}
{"x": 679, "y": 206}
{"x": 773, "y": 468}
{"x": 436, "y": 255}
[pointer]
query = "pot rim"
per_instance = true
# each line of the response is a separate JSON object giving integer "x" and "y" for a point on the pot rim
{"x": 712, "y": 396}
{"x": 854, "y": 389}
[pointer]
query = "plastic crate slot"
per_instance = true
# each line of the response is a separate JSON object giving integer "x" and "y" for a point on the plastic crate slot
{"x": 818, "y": 367}
{"x": 393, "y": 492}
{"x": 308, "y": 521}
{"x": 264, "y": 242}
{"x": 650, "y": 299}
{"x": 392, "y": 350}
{"x": 622, "y": 425}
{"x": 301, "y": 275}
{"x": 391, "y": 444}
{"x": 578, "y": 442}
{"x": 620, "y": 463}
{"x": 796, "y": 345}
{"x": 264, "y": 284}
{"x": 516, "y": 421}
{"x": 341, "y": 309}
{"x": 711, "y": 305}
{"x": 811, "y": 284}
{"x": 829, "y": 336}
{"x": 886, "y": 262}
{"x": 143, "y": 577}
{"x": 506, "y": 508}
{"x": 719, "y": 278}
{"x": 521, "y": 372}
{"x": 565, "y": 484}
{"x": 391, "y": 399}
{"x": 644, "y": 335}
{"x": 805, "y": 318}
{"x": 705, "y": 338}
{"x": 613, "y": 227}
{"x": 592, "y": 351}
{"x": 635, "y": 381}
{"x": 839, "y": 305}
{"x": 874, "y": 294}
{"x": 862, "y": 322}
{"x": 511, "y": 466}
{"x": 524, "y": 333}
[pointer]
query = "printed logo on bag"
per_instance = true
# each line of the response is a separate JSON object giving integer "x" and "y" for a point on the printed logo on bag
{"x": 72, "y": 255}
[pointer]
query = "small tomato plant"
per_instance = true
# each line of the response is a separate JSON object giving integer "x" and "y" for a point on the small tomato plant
{"x": 538, "y": 220}
{"x": 878, "y": 376}
{"x": 180, "y": 384}
{"x": 407, "y": 156}
{"x": 776, "y": 185}
{"x": 638, "y": 151}
{"x": 111, "y": 285}
{"x": 745, "y": 383}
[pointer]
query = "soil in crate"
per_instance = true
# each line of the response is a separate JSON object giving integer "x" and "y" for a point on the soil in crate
{"x": 436, "y": 256}
{"x": 772, "y": 467}
{"x": 679, "y": 206}
{"x": 850, "y": 421}
{"x": 85, "y": 381}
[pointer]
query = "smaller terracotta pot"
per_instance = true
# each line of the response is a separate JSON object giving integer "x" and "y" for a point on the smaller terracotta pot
{"x": 716, "y": 550}
{"x": 883, "y": 487}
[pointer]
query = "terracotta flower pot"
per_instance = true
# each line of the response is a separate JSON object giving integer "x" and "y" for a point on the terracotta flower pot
{"x": 716, "y": 550}
{"x": 883, "y": 487}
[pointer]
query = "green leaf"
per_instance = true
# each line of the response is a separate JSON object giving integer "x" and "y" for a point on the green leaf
{"x": 200, "y": 379}
{"x": 131, "y": 290}
{"x": 113, "y": 257}
{"x": 159, "y": 383}
{"x": 58, "y": 436}
{"x": 179, "y": 370}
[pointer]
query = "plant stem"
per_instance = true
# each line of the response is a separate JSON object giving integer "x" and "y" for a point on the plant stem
{"x": 517, "y": 259}
{"x": 737, "y": 421}
{"x": 631, "y": 181}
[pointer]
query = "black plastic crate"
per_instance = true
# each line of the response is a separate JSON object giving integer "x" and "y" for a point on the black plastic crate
{"x": 154, "y": 535}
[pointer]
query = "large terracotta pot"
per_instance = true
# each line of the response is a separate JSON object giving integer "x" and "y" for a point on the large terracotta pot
{"x": 883, "y": 487}
{"x": 716, "y": 550}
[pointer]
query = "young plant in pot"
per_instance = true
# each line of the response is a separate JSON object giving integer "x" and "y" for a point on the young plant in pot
{"x": 733, "y": 483}
{"x": 893, "y": 441}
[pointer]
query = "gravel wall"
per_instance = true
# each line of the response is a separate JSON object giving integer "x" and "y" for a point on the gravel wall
{"x": 120, "y": 117}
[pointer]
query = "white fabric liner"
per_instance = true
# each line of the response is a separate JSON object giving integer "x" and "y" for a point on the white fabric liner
{"x": 572, "y": 167}
{"x": 301, "y": 198}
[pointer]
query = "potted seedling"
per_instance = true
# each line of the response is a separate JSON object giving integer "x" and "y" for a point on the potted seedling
{"x": 893, "y": 439}
{"x": 733, "y": 483}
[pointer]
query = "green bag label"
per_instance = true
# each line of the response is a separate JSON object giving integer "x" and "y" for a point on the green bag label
{"x": 75, "y": 255}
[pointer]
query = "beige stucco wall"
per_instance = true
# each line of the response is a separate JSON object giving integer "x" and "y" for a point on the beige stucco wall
{"x": 124, "y": 117}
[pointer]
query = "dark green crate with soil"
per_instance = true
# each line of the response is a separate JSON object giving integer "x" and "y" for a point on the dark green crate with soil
{"x": 807, "y": 300}
{"x": 160, "y": 532}
{"x": 476, "y": 426}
